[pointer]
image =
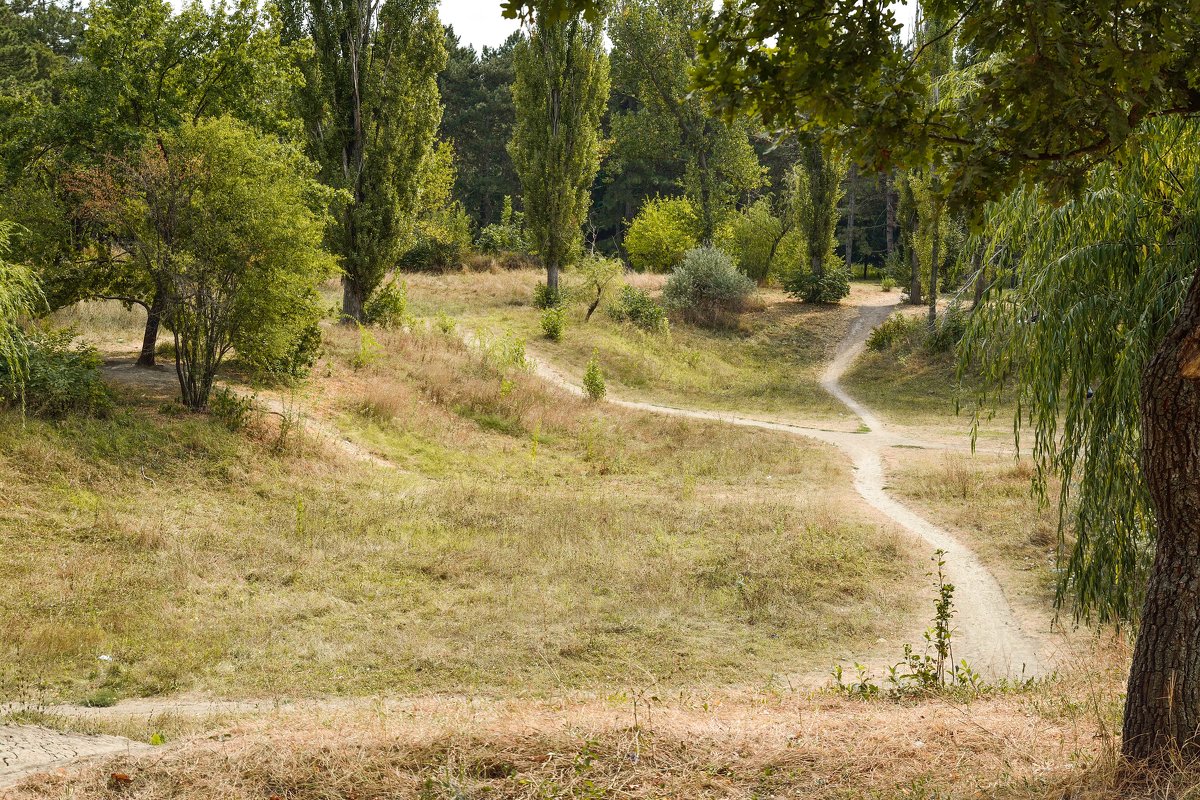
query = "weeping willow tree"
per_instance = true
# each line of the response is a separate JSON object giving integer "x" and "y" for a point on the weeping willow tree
{"x": 19, "y": 296}
{"x": 1099, "y": 282}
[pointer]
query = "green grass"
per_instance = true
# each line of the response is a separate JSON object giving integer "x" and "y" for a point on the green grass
{"x": 527, "y": 543}
{"x": 769, "y": 363}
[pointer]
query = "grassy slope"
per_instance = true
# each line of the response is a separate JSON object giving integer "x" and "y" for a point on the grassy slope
{"x": 769, "y": 363}
{"x": 620, "y": 546}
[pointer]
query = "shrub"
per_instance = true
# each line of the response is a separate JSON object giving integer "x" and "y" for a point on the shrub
{"x": 593, "y": 379}
{"x": 506, "y": 236}
{"x": 754, "y": 236}
{"x": 888, "y": 283}
{"x": 638, "y": 307}
{"x": 554, "y": 322}
{"x": 896, "y": 330}
{"x": 950, "y": 328}
{"x": 707, "y": 286}
{"x": 60, "y": 377}
{"x": 435, "y": 252}
{"x": 231, "y": 409}
{"x": 388, "y": 307}
{"x": 544, "y": 298}
{"x": 661, "y": 234}
{"x": 295, "y": 360}
{"x": 829, "y": 287}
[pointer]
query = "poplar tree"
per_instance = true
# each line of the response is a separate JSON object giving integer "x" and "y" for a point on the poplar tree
{"x": 560, "y": 92}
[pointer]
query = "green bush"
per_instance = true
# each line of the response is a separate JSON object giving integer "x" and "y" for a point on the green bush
{"x": 388, "y": 307}
{"x": 754, "y": 236}
{"x": 434, "y": 252}
{"x": 295, "y": 360}
{"x": 950, "y": 328}
{"x": 639, "y": 308}
{"x": 888, "y": 283}
{"x": 830, "y": 287}
{"x": 593, "y": 379}
{"x": 61, "y": 378}
{"x": 506, "y": 236}
{"x": 661, "y": 234}
{"x": 230, "y": 409}
{"x": 554, "y": 322}
{"x": 896, "y": 331}
{"x": 707, "y": 287}
{"x": 544, "y": 297}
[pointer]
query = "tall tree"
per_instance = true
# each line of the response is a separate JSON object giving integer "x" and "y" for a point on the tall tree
{"x": 817, "y": 188}
{"x": 371, "y": 114}
{"x": 1063, "y": 87}
{"x": 654, "y": 51}
{"x": 560, "y": 92}
{"x": 144, "y": 69}
{"x": 479, "y": 116}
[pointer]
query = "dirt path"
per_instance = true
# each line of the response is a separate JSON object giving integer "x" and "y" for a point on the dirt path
{"x": 162, "y": 380}
{"x": 989, "y": 635}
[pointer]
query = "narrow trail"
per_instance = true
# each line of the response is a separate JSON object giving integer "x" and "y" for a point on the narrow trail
{"x": 988, "y": 633}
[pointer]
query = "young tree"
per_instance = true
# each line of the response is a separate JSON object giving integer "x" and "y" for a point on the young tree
{"x": 229, "y": 224}
{"x": 1063, "y": 88}
{"x": 816, "y": 189}
{"x": 654, "y": 51}
{"x": 371, "y": 113}
{"x": 142, "y": 68}
{"x": 560, "y": 92}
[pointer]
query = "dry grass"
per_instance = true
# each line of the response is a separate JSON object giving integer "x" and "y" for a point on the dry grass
{"x": 528, "y": 543}
{"x": 987, "y": 499}
{"x": 768, "y": 362}
{"x": 1054, "y": 741}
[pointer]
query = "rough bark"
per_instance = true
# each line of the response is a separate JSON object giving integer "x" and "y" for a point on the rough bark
{"x": 889, "y": 227}
{"x": 552, "y": 279}
{"x": 150, "y": 334}
{"x": 914, "y": 285}
{"x": 353, "y": 301}
{"x": 1162, "y": 709}
{"x": 934, "y": 257}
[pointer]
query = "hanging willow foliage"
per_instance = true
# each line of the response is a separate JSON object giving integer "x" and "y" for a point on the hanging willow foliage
{"x": 19, "y": 296}
{"x": 1091, "y": 289}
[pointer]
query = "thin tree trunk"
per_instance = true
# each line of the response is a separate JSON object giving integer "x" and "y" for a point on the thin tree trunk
{"x": 889, "y": 227}
{"x": 1162, "y": 709}
{"x": 552, "y": 279}
{"x": 980, "y": 279}
{"x": 353, "y": 301}
{"x": 851, "y": 202}
{"x": 914, "y": 285}
{"x": 933, "y": 272}
{"x": 150, "y": 334}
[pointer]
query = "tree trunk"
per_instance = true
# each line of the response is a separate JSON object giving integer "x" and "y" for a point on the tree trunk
{"x": 552, "y": 280}
{"x": 914, "y": 284}
{"x": 150, "y": 334}
{"x": 851, "y": 200}
{"x": 889, "y": 227}
{"x": 1162, "y": 709}
{"x": 980, "y": 279}
{"x": 934, "y": 254}
{"x": 353, "y": 301}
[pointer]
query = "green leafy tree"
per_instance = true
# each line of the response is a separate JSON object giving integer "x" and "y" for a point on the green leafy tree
{"x": 476, "y": 89}
{"x": 371, "y": 112}
{"x": 229, "y": 224}
{"x": 1061, "y": 89}
{"x": 816, "y": 188}
{"x": 654, "y": 51}
{"x": 141, "y": 69}
{"x": 560, "y": 92}
{"x": 662, "y": 234}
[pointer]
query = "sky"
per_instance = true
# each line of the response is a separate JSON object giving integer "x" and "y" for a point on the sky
{"x": 479, "y": 22}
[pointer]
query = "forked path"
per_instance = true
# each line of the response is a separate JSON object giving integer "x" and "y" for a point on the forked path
{"x": 988, "y": 633}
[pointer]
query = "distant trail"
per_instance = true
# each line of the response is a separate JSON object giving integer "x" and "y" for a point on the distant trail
{"x": 988, "y": 636}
